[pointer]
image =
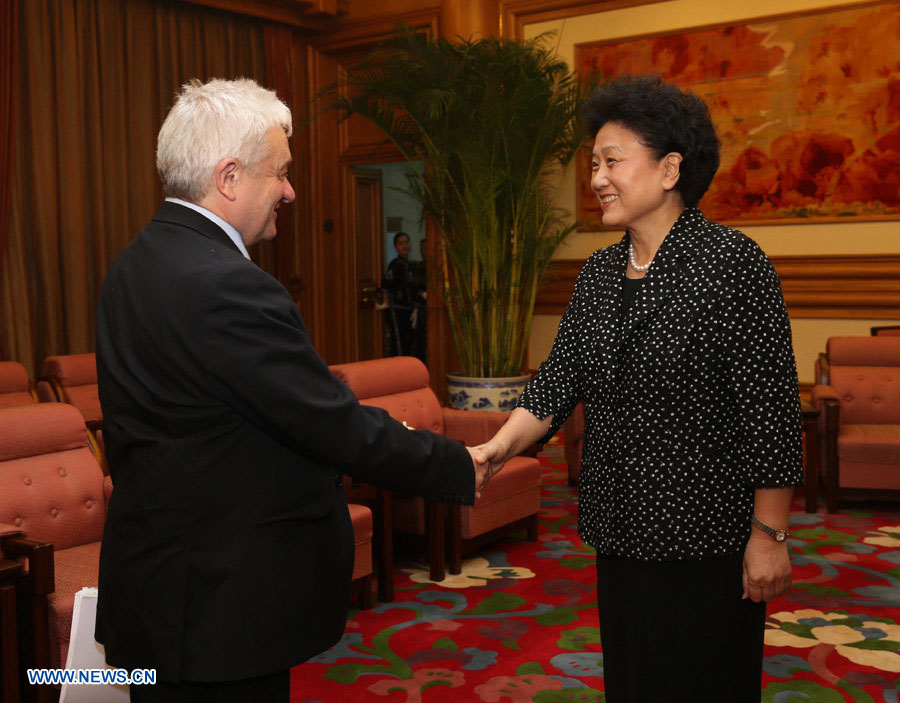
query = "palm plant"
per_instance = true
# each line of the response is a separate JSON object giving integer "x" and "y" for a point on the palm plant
{"x": 496, "y": 123}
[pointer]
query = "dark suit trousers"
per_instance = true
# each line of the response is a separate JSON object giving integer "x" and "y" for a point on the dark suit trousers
{"x": 275, "y": 688}
{"x": 679, "y": 631}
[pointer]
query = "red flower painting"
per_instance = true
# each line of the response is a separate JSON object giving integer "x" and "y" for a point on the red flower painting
{"x": 807, "y": 108}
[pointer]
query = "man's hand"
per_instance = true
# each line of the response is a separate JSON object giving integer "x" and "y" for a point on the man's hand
{"x": 482, "y": 470}
{"x": 767, "y": 568}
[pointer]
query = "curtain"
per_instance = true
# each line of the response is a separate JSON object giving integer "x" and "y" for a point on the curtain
{"x": 96, "y": 78}
{"x": 8, "y": 72}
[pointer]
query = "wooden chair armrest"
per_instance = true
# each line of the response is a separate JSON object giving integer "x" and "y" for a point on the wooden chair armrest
{"x": 10, "y": 571}
{"x": 44, "y": 389}
{"x": 821, "y": 393}
{"x": 824, "y": 370}
{"x": 832, "y": 414}
{"x": 93, "y": 427}
{"x": 39, "y": 558}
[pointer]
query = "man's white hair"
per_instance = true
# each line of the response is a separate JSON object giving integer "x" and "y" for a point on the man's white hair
{"x": 212, "y": 121}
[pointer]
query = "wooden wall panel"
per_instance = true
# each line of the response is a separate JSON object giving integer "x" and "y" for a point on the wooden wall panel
{"x": 850, "y": 287}
{"x": 336, "y": 148}
{"x": 310, "y": 16}
{"x": 515, "y": 14}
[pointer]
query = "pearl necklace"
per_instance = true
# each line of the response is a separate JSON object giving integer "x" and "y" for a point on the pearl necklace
{"x": 634, "y": 264}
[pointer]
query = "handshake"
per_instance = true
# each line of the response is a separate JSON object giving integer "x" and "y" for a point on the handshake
{"x": 488, "y": 459}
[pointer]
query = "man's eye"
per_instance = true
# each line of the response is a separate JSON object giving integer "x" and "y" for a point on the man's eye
{"x": 594, "y": 165}
{"x": 610, "y": 162}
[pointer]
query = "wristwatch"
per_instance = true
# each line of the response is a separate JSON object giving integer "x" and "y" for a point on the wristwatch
{"x": 777, "y": 535}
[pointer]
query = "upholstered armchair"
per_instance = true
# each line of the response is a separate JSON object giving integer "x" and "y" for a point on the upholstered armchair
{"x": 15, "y": 387}
{"x": 858, "y": 396}
{"x": 74, "y": 380}
{"x": 52, "y": 510}
{"x": 400, "y": 385}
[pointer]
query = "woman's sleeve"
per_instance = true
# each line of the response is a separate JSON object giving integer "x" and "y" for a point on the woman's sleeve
{"x": 555, "y": 390}
{"x": 763, "y": 373}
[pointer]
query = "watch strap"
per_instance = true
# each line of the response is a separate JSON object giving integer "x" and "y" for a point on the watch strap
{"x": 777, "y": 535}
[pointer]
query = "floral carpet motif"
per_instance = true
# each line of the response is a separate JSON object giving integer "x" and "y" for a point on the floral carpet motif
{"x": 519, "y": 624}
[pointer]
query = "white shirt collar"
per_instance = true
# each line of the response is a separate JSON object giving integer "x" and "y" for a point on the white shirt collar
{"x": 232, "y": 233}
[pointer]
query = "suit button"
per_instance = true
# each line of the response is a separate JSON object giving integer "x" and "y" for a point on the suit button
{"x": 338, "y": 480}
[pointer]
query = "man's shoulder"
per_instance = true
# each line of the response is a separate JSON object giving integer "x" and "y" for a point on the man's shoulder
{"x": 171, "y": 260}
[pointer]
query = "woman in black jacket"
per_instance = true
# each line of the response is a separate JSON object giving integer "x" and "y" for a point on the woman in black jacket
{"x": 678, "y": 342}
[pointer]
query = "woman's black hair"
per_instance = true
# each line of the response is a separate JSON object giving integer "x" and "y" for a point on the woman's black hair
{"x": 666, "y": 119}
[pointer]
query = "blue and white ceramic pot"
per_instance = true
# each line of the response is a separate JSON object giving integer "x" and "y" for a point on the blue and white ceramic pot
{"x": 489, "y": 394}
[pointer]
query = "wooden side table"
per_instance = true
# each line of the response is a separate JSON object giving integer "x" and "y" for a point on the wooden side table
{"x": 811, "y": 433}
{"x": 10, "y": 572}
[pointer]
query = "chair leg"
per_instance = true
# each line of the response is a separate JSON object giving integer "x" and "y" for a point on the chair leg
{"x": 35, "y": 611}
{"x": 365, "y": 592}
{"x": 831, "y": 484}
{"x": 532, "y": 529}
{"x": 383, "y": 543}
{"x": 811, "y": 430}
{"x": 574, "y": 473}
{"x": 434, "y": 513}
{"x": 9, "y": 646}
{"x": 454, "y": 556}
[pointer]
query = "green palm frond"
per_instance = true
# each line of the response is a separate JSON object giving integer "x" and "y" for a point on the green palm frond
{"x": 497, "y": 123}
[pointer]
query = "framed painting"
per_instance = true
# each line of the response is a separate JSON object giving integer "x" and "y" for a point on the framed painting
{"x": 807, "y": 107}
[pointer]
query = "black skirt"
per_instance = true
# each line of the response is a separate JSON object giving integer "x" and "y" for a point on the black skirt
{"x": 678, "y": 631}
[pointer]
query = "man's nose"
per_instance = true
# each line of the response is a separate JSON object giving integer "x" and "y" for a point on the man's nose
{"x": 289, "y": 194}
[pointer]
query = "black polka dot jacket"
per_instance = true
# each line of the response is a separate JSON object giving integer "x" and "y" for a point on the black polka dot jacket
{"x": 691, "y": 401}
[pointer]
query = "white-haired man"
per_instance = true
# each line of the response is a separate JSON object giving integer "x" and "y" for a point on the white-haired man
{"x": 228, "y": 548}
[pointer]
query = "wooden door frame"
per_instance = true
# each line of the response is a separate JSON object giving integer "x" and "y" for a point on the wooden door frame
{"x": 351, "y": 277}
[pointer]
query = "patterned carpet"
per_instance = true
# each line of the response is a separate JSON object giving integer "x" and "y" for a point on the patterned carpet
{"x": 520, "y": 623}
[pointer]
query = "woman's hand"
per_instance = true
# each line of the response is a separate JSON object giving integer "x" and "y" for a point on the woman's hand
{"x": 482, "y": 469}
{"x": 495, "y": 455}
{"x": 767, "y": 568}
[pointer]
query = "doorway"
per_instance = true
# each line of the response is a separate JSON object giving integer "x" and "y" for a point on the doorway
{"x": 380, "y": 210}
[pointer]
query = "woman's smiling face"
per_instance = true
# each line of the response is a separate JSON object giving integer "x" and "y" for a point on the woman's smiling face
{"x": 630, "y": 183}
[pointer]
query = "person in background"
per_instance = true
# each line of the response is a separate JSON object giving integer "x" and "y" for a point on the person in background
{"x": 404, "y": 286}
{"x": 228, "y": 548}
{"x": 678, "y": 343}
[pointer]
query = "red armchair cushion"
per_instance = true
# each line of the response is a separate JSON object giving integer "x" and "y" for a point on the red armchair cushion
{"x": 16, "y": 399}
{"x": 85, "y": 398}
{"x": 72, "y": 369}
{"x": 869, "y": 395}
{"x": 14, "y": 386}
{"x": 512, "y": 494}
{"x": 51, "y": 486}
{"x": 472, "y": 428}
{"x": 398, "y": 385}
{"x": 871, "y": 444}
{"x": 76, "y": 568}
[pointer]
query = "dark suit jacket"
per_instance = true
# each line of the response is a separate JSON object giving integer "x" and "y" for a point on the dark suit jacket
{"x": 228, "y": 547}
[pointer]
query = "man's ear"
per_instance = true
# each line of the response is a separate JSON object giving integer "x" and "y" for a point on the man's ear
{"x": 672, "y": 165}
{"x": 227, "y": 174}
